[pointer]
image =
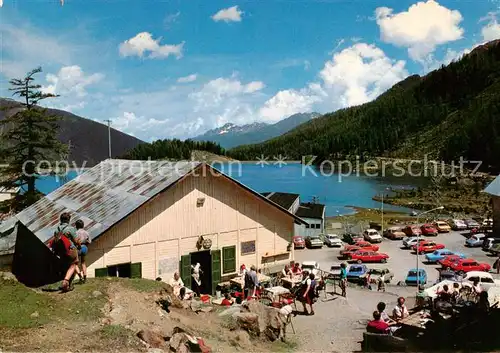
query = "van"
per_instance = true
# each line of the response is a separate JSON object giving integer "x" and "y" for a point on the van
{"x": 489, "y": 242}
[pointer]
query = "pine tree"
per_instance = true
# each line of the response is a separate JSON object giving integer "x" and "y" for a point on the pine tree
{"x": 29, "y": 141}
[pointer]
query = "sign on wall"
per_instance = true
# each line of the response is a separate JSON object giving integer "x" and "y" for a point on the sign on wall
{"x": 248, "y": 247}
{"x": 168, "y": 265}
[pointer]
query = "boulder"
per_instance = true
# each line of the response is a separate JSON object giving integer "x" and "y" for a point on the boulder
{"x": 153, "y": 338}
{"x": 249, "y": 321}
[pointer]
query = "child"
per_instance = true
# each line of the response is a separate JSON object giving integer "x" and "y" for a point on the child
{"x": 228, "y": 300}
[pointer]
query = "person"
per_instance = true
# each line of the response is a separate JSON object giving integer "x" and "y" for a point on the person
{"x": 383, "y": 315}
{"x": 63, "y": 245}
{"x": 381, "y": 284}
{"x": 476, "y": 287}
{"x": 83, "y": 241}
{"x": 445, "y": 294}
{"x": 228, "y": 300}
{"x": 176, "y": 283}
{"x": 343, "y": 279}
{"x": 496, "y": 265}
{"x": 286, "y": 272}
{"x": 296, "y": 270}
{"x": 309, "y": 293}
{"x": 377, "y": 325}
{"x": 196, "y": 275}
{"x": 400, "y": 311}
{"x": 243, "y": 270}
{"x": 251, "y": 282}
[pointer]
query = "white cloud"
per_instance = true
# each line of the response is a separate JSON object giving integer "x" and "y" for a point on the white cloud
{"x": 143, "y": 45}
{"x": 186, "y": 79}
{"x": 171, "y": 18}
{"x": 288, "y": 102}
{"x": 136, "y": 126}
{"x": 421, "y": 28}
{"x": 1, "y": 3}
{"x": 231, "y": 14}
{"x": 69, "y": 80}
{"x": 491, "y": 30}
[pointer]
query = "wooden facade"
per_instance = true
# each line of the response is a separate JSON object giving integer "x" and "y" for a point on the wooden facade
{"x": 209, "y": 205}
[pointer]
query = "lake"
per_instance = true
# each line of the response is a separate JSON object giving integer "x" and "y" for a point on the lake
{"x": 334, "y": 191}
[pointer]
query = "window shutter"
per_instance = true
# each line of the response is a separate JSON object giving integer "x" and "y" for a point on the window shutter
{"x": 185, "y": 268}
{"x": 229, "y": 259}
{"x": 216, "y": 276}
{"x": 136, "y": 270}
{"x": 101, "y": 272}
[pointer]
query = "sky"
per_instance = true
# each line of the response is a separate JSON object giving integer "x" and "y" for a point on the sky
{"x": 176, "y": 68}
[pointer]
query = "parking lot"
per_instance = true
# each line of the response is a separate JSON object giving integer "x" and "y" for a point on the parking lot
{"x": 400, "y": 260}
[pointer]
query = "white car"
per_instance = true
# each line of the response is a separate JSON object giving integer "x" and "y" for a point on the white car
{"x": 408, "y": 242}
{"x": 457, "y": 224}
{"x": 333, "y": 240}
{"x": 485, "y": 279}
{"x": 311, "y": 267}
{"x": 372, "y": 235}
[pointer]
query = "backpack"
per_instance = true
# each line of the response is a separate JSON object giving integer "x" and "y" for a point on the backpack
{"x": 61, "y": 244}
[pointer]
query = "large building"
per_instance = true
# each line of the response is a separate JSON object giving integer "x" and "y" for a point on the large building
{"x": 312, "y": 213}
{"x": 150, "y": 219}
{"x": 494, "y": 190}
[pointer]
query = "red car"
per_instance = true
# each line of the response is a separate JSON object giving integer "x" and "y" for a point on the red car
{"x": 299, "y": 242}
{"x": 466, "y": 265}
{"x": 368, "y": 256}
{"x": 366, "y": 245}
{"x": 427, "y": 246}
{"x": 412, "y": 231}
{"x": 448, "y": 260}
{"x": 360, "y": 245}
{"x": 429, "y": 230}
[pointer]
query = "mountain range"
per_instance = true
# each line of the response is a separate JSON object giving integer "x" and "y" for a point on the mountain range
{"x": 88, "y": 139}
{"x": 448, "y": 114}
{"x": 230, "y": 135}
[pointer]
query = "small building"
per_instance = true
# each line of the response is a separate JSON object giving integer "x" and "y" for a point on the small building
{"x": 494, "y": 190}
{"x": 7, "y": 194}
{"x": 312, "y": 213}
{"x": 150, "y": 219}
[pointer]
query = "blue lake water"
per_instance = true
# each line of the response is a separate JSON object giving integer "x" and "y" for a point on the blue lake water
{"x": 332, "y": 190}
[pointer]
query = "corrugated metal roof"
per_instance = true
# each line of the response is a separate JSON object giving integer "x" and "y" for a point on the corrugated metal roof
{"x": 103, "y": 195}
{"x": 494, "y": 187}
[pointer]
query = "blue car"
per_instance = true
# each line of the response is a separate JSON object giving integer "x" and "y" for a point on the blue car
{"x": 475, "y": 241}
{"x": 440, "y": 254}
{"x": 411, "y": 277}
{"x": 354, "y": 272}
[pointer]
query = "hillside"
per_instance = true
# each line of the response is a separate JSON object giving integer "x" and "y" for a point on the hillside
{"x": 89, "y": 139}
{"x": 449, "y": 113}
{"x": 231, "y": 135}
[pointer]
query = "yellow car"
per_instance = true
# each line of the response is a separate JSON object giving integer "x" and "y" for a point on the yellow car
{"x": 442, "y": 226}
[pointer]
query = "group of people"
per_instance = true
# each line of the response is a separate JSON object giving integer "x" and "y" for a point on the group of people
{"x": 388, "y": 324}
{"x": 70, "y": 244}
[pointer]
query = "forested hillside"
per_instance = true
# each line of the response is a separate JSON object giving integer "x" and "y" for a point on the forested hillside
{"x": 451, "y": 112}
{"x": 172, "y": 149}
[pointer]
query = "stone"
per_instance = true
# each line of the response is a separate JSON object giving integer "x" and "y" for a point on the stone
{"x": 35, "y": 315}
{"x": 207, "y": 309}
{"x": 248, "y": 321}
{"x": 241, "y": 338}
{"x": 8, "y": 276}
{"x": 96, "y": 294}
{"x": 154, "y": 339}
{"x": 177, "y": 340}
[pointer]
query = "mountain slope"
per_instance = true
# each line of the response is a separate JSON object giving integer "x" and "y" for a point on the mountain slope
{"x": 89, "y": 139}
{"x": 449, "y": 113}
{"x": 231, "y": 135}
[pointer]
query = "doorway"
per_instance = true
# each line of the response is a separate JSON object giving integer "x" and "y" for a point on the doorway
{"x": 204, "y": 258}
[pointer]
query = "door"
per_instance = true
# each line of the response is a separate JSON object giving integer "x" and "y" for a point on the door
{"x": 216, "y": 269}
{"x": 185, "y": 269}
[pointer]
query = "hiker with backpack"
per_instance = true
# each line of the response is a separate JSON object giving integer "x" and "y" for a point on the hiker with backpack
{"x": 82, "y": 242}
{"x": 63, "y": 246}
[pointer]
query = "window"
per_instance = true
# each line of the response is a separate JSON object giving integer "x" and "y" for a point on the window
{"x": 487, "y": 280}
{"x": 127, "y": 270}
{"x": 307, "y": 225}
{"x": 228, "y": 259}
{"x": 318, "y": 226}
{"x": 248, "y": 247}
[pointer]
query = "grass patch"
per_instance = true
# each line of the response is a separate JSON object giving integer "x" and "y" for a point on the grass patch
{"x": 141, "y": 285}
{"x": 287, "y": 346}
{"x": 115, "y": 333}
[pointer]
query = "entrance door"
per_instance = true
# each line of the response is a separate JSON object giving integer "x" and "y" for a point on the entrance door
{"x": 203, "y": 258}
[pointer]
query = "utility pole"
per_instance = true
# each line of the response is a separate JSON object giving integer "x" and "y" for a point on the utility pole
{"x": 109, "y": 137}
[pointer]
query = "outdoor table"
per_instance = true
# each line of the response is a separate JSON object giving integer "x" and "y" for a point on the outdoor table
{"x": 240, "y": 280}
{"x": 414, "y": 321}
{"x": 291, "y": 282}
{"x": 275, "y": 293}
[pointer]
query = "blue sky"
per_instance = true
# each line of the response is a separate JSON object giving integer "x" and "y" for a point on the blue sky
{"x": 162, "y": 69}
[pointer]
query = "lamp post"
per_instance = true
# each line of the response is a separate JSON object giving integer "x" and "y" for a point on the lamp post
{"x": 418, "y": 241}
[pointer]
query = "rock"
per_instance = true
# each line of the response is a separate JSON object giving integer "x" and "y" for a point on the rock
{"x": 155, "y": 350}
{"x": 242, "y": 339}
{"x": 248, "y": 321}
{"x": 106, "y": 321}
{"x": 177, "y": 340}
{"x": 8, "y": 276}
{"x": 154, "y": 339}
{"x": 35, "y": 315}
{"x": 207, "y": 309}
{"x": 96, "y": 294}
{"x": 195, "y": 306}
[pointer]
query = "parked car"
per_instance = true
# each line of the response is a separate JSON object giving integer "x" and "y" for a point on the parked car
{"x": 351, "y": 238}
{"x": 314, "y": 241}
{"x": 485, "y": 279}
{"x": 487, "y": 223}
{"x": 354, "y": 272}
{"x": 495, "y": 249}
{"x": 334, "y": 271}
{"x": 448, "y": 275}
{"x": 394, "y": 233}
{"x": 375, "y": 225}
{"x": 349, "y": 249}
{"x": 366, "y": 245}
{"x": 448, "y": 260}
{"x": 311, "y": 267}
{"x": 471, "y": 224}
{"x": 408, "y": 242}
{"x": 368, "y": 256}
{"x": 299, "y": 242}
{"x": 475, "y": 241}
{"x": 413, "y": 277}
{"x": 429, "y": 230}
{"x": 427, "y": 246}
{"x": 372, "y": 235}
{"x": 412, "y": 231}
{"x": 376, "y": 273}
{"x": 440, "y": 254}
{"x": 442, "y": 227}
{"x": 457, "y": 224}
{"x": 489, "y": 243}
{"x": 332, "y": 240}
{"x": 467, "y": 265}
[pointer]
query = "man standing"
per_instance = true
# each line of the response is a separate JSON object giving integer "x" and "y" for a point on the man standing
{"x": 82, "y": 242}
{"x": 343, "y": 279}
{"x": 251, "y": 282}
